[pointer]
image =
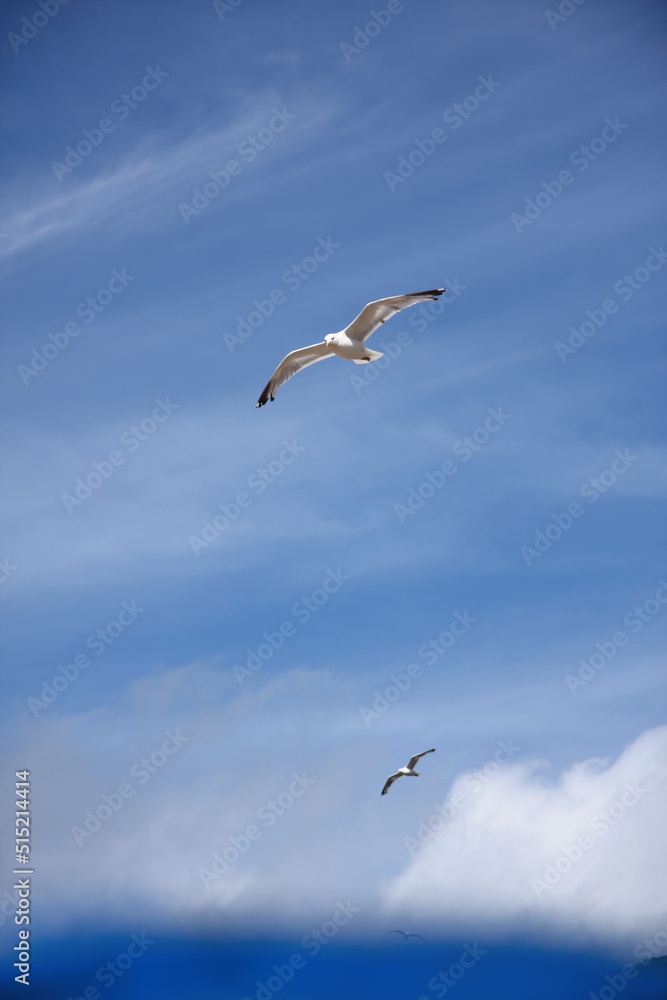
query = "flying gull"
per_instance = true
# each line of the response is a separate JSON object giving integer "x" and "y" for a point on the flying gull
{"x": 409, "y": 769}
{"x": 407, "y": 934}
{"x": 349, "y": 343}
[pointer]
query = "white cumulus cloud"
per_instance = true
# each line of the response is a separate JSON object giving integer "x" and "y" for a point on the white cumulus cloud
{"x": 583, "y": 855}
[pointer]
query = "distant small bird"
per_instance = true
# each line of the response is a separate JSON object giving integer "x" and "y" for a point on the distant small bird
{"x": 410, "y": 769}
{"x": 407, "y": 934}
{"x": 349, "y": 343}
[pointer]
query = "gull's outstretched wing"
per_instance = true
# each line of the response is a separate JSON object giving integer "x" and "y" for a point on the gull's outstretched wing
{"x": 390, "y": 781}
{"x": 413, "y": 760}
{"x": 407, "y": 934}
{"x": 376, "y": 313}
{"x": 292, "y": 364}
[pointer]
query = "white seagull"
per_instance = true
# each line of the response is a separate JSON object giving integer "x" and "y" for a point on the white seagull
{"x": 409, "y": 769}
{"x": 349, "y": 343}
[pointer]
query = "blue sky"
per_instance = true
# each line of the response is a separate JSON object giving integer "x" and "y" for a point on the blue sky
{"x": 565, "y": 128}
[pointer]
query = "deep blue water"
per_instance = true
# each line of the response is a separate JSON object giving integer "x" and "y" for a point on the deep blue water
{"x": 175, "y": 969}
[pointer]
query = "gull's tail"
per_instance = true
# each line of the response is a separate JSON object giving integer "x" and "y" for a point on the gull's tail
{"x": 370, "y": 356}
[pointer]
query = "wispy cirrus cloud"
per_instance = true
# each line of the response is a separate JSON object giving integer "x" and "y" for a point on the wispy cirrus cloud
{"x": 148, "y": 181}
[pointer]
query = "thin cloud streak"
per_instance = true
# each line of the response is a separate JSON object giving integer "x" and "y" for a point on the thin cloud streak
{"x": 162, "y": 168}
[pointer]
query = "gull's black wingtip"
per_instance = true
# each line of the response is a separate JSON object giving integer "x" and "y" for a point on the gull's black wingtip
{"x": 432, "y": 293}
{"x": 265, "y": 396}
